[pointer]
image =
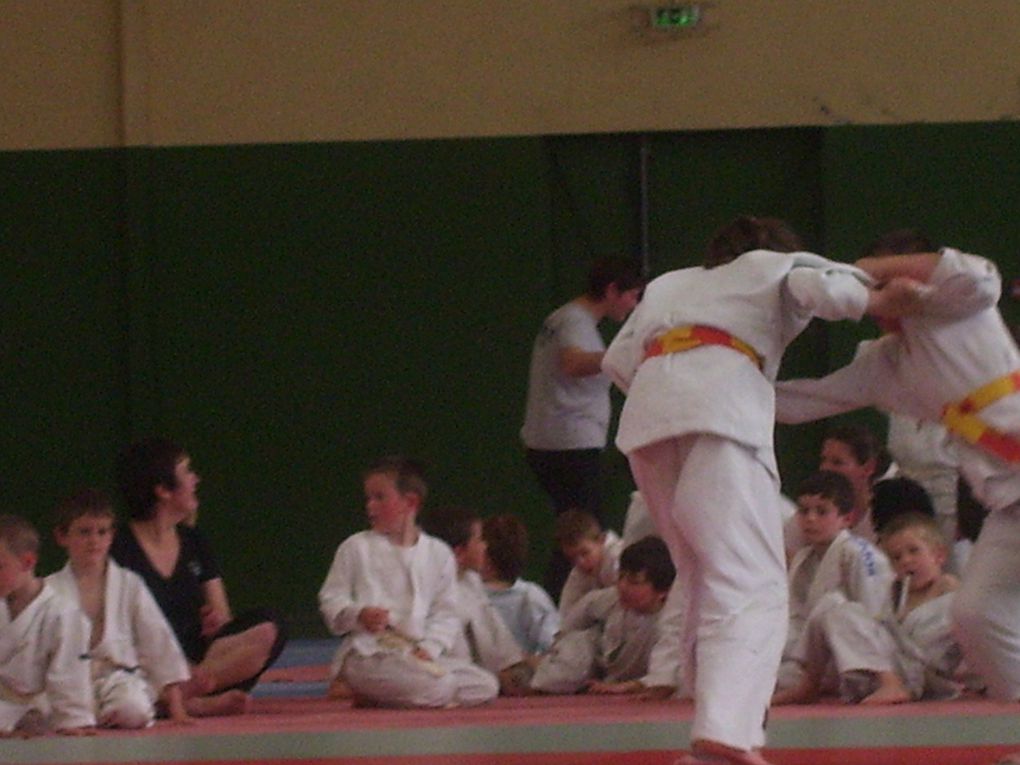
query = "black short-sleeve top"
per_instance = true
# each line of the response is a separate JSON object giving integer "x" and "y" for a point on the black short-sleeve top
{"x": 180, "y": 596}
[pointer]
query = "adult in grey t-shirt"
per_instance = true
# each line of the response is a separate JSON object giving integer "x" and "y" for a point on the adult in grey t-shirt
{"x": 566, "y": 418}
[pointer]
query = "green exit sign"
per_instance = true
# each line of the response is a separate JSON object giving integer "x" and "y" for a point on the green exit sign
{"x": 676, "y": 17}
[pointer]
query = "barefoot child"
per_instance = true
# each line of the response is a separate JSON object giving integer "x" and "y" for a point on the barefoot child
{"x": 43, "y": 644}
{"x": 906, "y": 654}
{"x": 390, "y": 596}
{"x": 135, "y": 658}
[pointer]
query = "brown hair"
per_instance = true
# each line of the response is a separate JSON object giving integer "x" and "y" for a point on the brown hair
{"x": 408, "y": 474}
{"x": 748, "y": 233}
{"x": 87, "y": 501}
{"x": 574, "y": 526}
{"x": 507, "y": 539}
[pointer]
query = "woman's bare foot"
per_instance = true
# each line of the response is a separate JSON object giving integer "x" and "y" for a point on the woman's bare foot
{"x": 201, "y": 683}
{"x": 235, "y": 702}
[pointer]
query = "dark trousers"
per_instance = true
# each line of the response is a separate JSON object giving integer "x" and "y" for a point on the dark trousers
{"x": 573, "y": 480}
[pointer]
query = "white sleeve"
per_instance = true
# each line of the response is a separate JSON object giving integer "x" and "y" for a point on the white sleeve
{"x": 829, "y": 293}
{"x": 844, "y": 390}
{"x": 625, "y": 353}
{"x": 962, "y": 285}
{"x": 442, "y": 624}
{"x": 336, "y": 596}
{"x": 870, "y": 578}
{"x": 159, "y": 653}
{"x": 665, "y": 661}
{"x": 578, "y": 583}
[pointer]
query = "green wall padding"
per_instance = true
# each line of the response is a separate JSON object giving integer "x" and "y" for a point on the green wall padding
{"x": 291, "y": 312}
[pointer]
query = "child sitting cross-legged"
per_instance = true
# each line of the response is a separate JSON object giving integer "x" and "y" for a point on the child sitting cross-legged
{"x": 907, "y": 653}
{"x": 609, "y": 636}
{"x": 390, "y": 595}
{"x": 834, "y": 566}
{"x": 485, "y": 639}
{"x": 593, "y": 552}
{"x": 527, "y": 610}
{"x": 135, "y": 659}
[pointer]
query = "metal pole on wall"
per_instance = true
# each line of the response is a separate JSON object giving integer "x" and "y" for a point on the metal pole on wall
{"x": 644, "y": 161}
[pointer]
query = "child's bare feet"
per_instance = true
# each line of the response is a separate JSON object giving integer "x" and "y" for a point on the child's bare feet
{"x": 890, "y": 691}
{"x": 707, "y": 752}
{"x": 804, "y": 692}
{"x": 235, "y": 702}
{"x": 339, "y": 690}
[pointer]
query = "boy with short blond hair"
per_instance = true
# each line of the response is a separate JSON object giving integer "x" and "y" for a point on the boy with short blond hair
{"x": 833, "y": 567}
{"x": 594, "y": 554}
{"x": 390, "y": 594}
{"x": 908, "y": 652}
{"x": 134, "y": 655}
{"x": 43, "y": 644}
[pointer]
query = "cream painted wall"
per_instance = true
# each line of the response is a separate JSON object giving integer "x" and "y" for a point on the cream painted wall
{"x": 81, "y": 73}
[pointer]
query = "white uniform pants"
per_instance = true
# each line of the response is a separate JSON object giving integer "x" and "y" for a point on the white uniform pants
{"x": 717, "y": 508}
{"x": 986, "y": 610}
{"x": 398, "y": 680}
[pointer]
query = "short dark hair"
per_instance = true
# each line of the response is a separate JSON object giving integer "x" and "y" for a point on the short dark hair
{"x": 506, "y": 537}
{"x": 142, "y": 467}
{"x": 19, "y": 534}
{"x": 451, "y": 524}
{"x": 901, "y": 241}
{"x": 863, "y": 442}
{"x": 408, "y": 474}
{"x": 649, "y": 556}
{"x": 625, "y": 273}
{"x": 829, "y": 485}
{"x": 87, "y": 501}
{"x": 574, "y": 526}
{"x": 746, "y": 233}
{"x": 892, "y": 497}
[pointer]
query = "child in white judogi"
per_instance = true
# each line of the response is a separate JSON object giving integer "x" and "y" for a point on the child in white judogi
{"x": 953, "y": 361}
{"x": 43, "y": 644}
{"x": 485, "y": 638}
{"x": 906, "y": 653}
{"x": 135, "y": 658}
{"x": 696, "y": 359}
{"x": 593, "y": 553}
{"x": 390, "y": 594}
{"x": 834, "y": 567}
{"x": 527, "y": 610}
{"x": 608, "y": 637}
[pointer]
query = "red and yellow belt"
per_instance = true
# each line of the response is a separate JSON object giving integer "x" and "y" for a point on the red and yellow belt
{"x": 686, "y": 338}
{"x": 962, "y": 418}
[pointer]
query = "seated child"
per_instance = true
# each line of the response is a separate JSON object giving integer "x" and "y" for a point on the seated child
{"x": 526, "y": 608}
{"x": 834, "y": 566}
{"x": 43, "y": 644}
{"x": 593, "y": 553}
{"x": 135, "y": 657}
{"x": 390, "y": 594}
{"x": 609, "y": 635}
{"x": 485, "y": 639}
{"x": 906, "y": 654}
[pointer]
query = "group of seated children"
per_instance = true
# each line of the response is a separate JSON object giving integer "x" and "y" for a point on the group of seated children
{"x": 136, "y": 624}
{"x": 443, "y": 619}
{"x": 871, "y": 623}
